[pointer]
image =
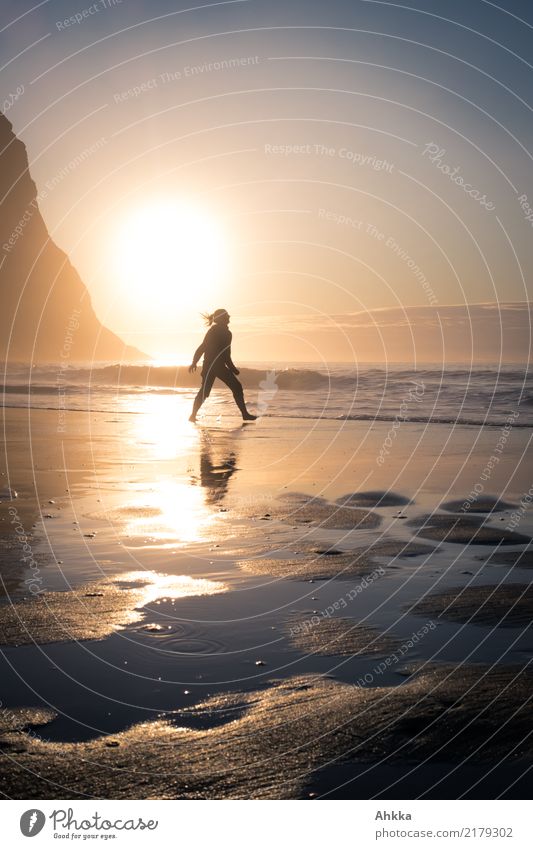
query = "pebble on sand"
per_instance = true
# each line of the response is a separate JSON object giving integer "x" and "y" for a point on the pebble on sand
{"x": 8, "y": 494}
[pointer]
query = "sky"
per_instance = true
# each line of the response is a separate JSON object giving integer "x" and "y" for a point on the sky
{"x": 289, "y": 161}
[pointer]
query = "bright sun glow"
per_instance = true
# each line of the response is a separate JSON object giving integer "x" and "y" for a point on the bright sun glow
{"x": 169, "y": 255}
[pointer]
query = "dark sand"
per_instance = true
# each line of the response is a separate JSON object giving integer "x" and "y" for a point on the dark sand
{"x": 507, "y": 605}
{"x": 373, "y": 498}
{"x": 483, "y": 504}
{"x": 296, "y": 508}
{"x": 315, "y": 563}
{"x": 463, "y": 530}
{"x": 272, "y": 742}
{"x": 523, "y": 559}
{"x": 337, "y": 637}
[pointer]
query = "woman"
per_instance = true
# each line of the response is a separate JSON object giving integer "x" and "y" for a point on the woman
{"x": 216, "y": 350}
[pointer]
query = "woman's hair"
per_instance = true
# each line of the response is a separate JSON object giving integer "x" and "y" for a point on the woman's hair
{"x": 211, "y": 317}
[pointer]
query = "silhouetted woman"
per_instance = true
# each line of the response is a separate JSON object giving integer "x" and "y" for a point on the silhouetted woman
{"x": 216, "y": 351}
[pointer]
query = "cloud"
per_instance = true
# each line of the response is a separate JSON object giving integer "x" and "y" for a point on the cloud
{"x": 391, "y": 317}
{"x": 485, "y": 332}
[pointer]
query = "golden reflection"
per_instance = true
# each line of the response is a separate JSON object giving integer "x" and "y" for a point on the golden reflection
{"x": 161, "y": 586}
{"x": 163, "y": 425}
{"x": 171, "y": 513}
{"x": 182, "y": 505}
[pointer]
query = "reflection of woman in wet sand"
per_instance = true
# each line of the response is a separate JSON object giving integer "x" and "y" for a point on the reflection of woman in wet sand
{"x": 216, "y": 351}
{"x": 218, "y": 464}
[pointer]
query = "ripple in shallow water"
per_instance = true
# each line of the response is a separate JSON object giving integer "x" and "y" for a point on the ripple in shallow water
{"x": 181, "y": 639}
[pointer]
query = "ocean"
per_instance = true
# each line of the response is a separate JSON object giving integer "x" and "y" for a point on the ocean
{"x": 484, "y": 395}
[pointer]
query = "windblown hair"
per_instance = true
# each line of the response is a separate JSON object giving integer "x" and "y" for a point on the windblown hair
{"x": 211, "y": 317}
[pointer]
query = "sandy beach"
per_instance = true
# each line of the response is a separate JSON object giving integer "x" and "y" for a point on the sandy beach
{"x": 263, "y": 611}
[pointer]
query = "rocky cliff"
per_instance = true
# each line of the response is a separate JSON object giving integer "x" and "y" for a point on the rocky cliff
{"x": 46, "y": 309}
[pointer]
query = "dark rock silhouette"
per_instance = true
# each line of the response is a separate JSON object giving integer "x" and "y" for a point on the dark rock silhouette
{"x": 46, "y": 309}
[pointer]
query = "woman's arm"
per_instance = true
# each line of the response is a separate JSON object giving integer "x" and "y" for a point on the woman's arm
{"x": 197, "y": 354}
{"x": 227, "y": 357}
{"x": 231, "y": 365}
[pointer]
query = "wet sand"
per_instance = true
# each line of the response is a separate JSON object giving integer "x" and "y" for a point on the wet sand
{"x": 483, "y": 504}
{"x": 374, "y": 499}
{"x": 301, "y": 509}
{"x": 269, "y": 744}
{"x": 523, "y": 558}
{"x": 314, "y": 563}
{"x": 337, "y": 637}
{"x": 157, "y": 582}
{"x": 506, "y": 605}
{"x": 92, "y": 611}
{"x": 462, "y": 529}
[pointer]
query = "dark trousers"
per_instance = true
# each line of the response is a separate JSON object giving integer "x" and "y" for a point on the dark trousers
{"x": 222, "y": 372}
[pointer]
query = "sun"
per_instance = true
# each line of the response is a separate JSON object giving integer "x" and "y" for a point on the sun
{"x": 169, "y": 254}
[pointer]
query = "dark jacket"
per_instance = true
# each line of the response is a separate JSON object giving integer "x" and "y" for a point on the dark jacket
{"x": 216, "y": 349}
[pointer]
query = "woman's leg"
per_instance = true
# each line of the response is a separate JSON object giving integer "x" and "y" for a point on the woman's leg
{"x": 227, "y": 377}
{"x": 208, "y": 378}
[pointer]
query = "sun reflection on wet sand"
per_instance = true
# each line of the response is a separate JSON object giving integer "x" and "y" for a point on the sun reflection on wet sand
{"x": 163, "y": 426}
{"x": 170, "y": 513}
{"x": 181, "y": 506}
{"x": 94, "y": 611}
{"x": 158, "y": 585}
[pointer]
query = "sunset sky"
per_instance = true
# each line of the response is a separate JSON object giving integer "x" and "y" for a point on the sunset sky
{"x": 282, "y": 159}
